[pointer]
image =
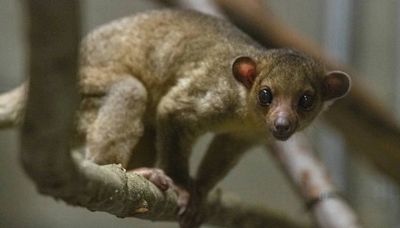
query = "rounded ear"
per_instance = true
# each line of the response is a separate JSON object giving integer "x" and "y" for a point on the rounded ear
{"x": 336, "y": 85}
{"x": 244, "y": 70}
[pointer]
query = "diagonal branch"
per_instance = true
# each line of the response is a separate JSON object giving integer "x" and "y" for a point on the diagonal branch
{"x": 313, "y": 183}
{"x": 47, "y": 130}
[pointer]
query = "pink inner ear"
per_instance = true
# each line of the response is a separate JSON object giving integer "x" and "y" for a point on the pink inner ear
{"x": 247, "y": 71}
{"x": 244, "y": 70}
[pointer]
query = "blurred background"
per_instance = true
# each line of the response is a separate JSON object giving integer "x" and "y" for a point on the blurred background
{"x": 362, "y": 33}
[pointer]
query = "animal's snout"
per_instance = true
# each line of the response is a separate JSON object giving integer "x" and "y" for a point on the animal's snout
{"x": 282, "y": 128}
{"x": 282, "y": 124}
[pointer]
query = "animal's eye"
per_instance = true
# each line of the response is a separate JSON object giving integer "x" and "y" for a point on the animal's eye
{"x": 306, "y": 102}
{"x": 265, "y": 97}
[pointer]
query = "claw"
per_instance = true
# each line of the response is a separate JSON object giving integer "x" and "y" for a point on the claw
{"x": 189, "y": 203}
{"x": 183, "y": 199}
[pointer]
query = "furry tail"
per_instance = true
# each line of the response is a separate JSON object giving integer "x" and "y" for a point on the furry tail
{"x": 12, "y": 105}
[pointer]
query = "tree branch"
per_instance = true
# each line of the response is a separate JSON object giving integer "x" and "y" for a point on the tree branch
{"x": 313, "y": 183}
{"x": 47, "y": 129}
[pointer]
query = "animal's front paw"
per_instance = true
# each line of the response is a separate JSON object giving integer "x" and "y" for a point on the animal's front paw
{"x": 155, "y": 176}
{"x": 190, "y": 215}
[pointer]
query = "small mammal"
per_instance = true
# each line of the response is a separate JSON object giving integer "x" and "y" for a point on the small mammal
{"x": 163, "y": 78}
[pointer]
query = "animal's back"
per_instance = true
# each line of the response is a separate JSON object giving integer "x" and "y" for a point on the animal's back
{"x": 155, "y": 47}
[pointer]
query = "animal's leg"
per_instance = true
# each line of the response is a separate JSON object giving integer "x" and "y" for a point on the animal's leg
{"x": 118, "y": 125}
{"x": 224, "y": 152}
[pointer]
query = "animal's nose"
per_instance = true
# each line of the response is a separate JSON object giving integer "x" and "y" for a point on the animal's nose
{"x": 282, "y": 128}
{"x": 282, "y": 125}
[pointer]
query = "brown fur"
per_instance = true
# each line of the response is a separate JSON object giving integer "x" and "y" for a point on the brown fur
{"x": 167, "y": 75}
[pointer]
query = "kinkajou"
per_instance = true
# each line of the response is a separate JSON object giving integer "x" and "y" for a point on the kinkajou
{"x": 180, "y": 74}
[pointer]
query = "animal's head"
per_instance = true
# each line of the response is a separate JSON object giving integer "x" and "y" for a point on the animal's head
{"x": 288, "y": 89}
